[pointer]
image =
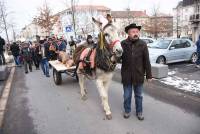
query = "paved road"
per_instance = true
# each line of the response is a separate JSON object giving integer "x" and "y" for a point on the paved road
{"x": 38, "y": 106}
{"x": 185, "y": 69}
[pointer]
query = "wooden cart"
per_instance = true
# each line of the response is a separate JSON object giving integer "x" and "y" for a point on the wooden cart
{"x": 59, "y": 68}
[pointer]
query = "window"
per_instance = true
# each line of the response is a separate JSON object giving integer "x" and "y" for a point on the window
{"x": 185, "y": 43}
{"x": 162, "y": 44}
{"x": 150, "y": 41}
{"x": 177, "y": 44}
{"x": 147, "y": 41}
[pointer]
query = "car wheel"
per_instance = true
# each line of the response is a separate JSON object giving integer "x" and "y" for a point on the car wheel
{"x": 161, "y": 60}
{"x": 194, "y": 58}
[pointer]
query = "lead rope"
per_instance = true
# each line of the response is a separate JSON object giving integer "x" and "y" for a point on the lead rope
{"x": 101, "y": 41}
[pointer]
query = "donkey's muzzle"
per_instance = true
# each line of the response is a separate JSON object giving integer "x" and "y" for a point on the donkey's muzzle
{"x": 119, "y": 52}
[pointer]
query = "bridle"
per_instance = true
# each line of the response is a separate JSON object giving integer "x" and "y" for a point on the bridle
{"x": 112, "y": 64}
{"x": 102, "y": 43}
{"x": 114, "y": 43}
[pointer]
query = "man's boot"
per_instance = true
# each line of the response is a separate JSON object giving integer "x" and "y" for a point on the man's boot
{"x": 140, "y": 116}
{"x": 126, "y": 115}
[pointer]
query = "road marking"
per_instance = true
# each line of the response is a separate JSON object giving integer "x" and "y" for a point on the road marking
{"x": 5, "y": 95}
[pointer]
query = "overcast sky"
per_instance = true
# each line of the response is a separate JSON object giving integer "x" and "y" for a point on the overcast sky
{"x": 22, "y": 11}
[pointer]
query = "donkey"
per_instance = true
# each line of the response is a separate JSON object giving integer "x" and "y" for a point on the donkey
{"x": 108, "y": 45}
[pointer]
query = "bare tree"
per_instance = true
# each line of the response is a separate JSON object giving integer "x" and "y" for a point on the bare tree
{"x": 73, "y": 13}
{"x": 177, "y": 21}
{"x": 46, "y": 19}
{"x": 3, "y": 15}
{"x": 155, "y": 20}
{"x": 159, "y": 24}
{"x": 71, "y": 4}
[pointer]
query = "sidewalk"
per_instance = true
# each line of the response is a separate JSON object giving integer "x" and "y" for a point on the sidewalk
{"x": 2, "y": 84}
{"x": 9, "y": 61}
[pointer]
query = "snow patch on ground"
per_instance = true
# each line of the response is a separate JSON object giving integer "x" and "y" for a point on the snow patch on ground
{"x": 172, "y": 73}
{"x": 178, "y": 82}
{"x": 181, "y": 83}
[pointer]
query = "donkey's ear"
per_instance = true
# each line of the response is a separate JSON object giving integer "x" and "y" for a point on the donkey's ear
{"x": 98, "y": 23}
{"x": 109, "y": 18}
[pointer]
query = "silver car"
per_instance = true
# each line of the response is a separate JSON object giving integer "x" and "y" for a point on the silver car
{"x": 148, "y": 40}
{"x": 172, "y": 50}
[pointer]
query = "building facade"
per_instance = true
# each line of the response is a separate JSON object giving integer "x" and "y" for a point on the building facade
{"x": 83, "y": 20}
{"x": 124, "y": 18}
{"x": 29, "y": 32}
{"x": 184, "y": 18}
{"x": 150, "y": 28}
{"x": 195, "y": 20}
{"x": 159, "y": 26}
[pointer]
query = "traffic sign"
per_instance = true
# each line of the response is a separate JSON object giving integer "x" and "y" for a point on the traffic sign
{"x": 68, "y": 28}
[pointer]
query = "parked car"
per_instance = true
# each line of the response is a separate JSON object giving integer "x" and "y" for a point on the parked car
{"x": 172, "y": 50}
{"x": 185, "y": 37}
{"x": 148, "y": 40}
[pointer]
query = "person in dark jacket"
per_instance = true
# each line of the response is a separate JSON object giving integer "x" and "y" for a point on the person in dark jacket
{"x": 36, "y": 57}
{"x": 135, "y": 64}
{"x": 90, "y": 41}
{"x": 62, "y": 44}
{"x": 14, "y": 48}
{"x": 198, "y": 53}
{"x": 27, "y": 57}
{"x": 53, "y": 48}
{"x": 2, "y": 57}
{"x": 44, "y": 51}
{"x": 72, "y": 45}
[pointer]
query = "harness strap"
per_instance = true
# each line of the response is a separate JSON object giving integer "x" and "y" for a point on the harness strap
{"x": 87, "y": 58}
{"x": 113, "y": 43}
{"x": 101, "y": 40}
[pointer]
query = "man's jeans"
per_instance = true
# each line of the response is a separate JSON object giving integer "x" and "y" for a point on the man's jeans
{"x": 128, "y": 96}
{"x": 27, "y": 64}
{"x": 17, "y": 61}
{"x": 198, "y": 60}
{"x": 45, "y": 66}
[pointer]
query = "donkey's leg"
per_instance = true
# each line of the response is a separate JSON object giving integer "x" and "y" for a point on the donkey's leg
{"x": 106, "y": 84}
{"x": 104, "y": 97}
{"x": 82, "y": 86}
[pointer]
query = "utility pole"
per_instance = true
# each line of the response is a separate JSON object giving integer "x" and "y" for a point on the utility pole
{"x": 156, "y": 26}
{"x": 73, "y": 16}
{"x": 177, "y": 23}
{"x": 129, "y": 15}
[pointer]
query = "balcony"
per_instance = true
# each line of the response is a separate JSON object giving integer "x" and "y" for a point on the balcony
{"x": 195, "y": 18}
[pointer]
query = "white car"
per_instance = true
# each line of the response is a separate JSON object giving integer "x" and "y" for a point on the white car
{"x": 172, "y": 50}
{"x": 148, "y": 40}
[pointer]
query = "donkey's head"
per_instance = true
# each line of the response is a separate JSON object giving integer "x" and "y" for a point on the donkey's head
{"x": 109, "y": 33}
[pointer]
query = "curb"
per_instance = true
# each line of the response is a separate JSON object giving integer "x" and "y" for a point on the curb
{"x": 5, "y": 96}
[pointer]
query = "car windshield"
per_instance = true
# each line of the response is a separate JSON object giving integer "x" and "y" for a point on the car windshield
{"x": 161, "y": 44}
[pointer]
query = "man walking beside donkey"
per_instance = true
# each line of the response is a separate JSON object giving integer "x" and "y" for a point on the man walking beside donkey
{"x": 135, "y": 64}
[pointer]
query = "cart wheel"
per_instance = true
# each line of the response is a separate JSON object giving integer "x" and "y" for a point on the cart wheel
{"x": 57, "y": 77}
